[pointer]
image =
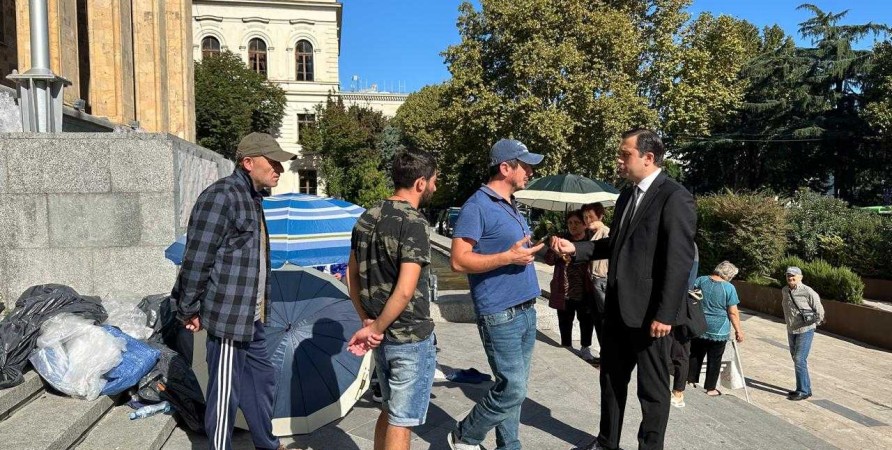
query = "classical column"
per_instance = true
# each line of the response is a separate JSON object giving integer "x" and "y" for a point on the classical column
{"x": 111, "y": 60}
{"x": 179, "y": 76}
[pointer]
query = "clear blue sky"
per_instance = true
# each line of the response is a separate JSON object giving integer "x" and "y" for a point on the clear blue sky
{"x": 398, "y": 42}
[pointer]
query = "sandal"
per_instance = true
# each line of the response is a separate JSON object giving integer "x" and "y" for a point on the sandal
{"x": 718, "y": 393}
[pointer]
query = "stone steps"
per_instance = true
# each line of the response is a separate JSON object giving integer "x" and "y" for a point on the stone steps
{"x": 15, "y": 397}
{"x": 51, "y": 422}
{"x": 117, "y": 432}
{"x": 33, "y": 419}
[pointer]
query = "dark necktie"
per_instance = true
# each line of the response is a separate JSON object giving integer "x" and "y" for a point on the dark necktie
{"x": 630, "y": 211}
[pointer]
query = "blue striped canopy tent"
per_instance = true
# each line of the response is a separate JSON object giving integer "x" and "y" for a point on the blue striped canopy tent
{"x": 304, "y": 230}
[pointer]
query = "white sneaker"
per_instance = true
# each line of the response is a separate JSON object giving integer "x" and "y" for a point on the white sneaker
{"x": 677, "y": 400}
{"x": 586, "y": 354}
{"x": 456, "y": 445}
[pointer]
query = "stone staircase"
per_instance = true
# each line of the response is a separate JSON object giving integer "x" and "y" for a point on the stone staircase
{"x": 32, "y": 418}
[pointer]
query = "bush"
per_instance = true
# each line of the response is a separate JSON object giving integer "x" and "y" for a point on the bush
{"x": 834, "y": 283}
{"x": 748, "y": 229}
{"x": 868, "y": 244}
{"x": 814, "y": 221}
{"x": 827, "y": 228}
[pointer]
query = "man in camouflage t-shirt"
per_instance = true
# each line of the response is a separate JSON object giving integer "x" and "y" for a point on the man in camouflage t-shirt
{"x": 388, "y": 279}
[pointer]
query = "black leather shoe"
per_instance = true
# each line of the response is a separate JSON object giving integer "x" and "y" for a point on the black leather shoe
{"x": 799, "y": 396}
{"x": 594, "y": 446}
{"x": 792, "y": 393}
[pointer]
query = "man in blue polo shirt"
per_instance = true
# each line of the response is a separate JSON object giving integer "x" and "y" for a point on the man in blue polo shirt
{"x": 491, "y": 243}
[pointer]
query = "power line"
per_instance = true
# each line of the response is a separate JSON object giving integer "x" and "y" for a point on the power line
{"x": 725, "y": 139}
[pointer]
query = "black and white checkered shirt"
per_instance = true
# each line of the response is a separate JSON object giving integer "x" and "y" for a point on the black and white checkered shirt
{"x": 221, "y": 264}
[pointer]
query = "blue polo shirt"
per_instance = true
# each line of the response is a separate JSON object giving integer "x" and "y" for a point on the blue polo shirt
{"x": 495, "y": 224}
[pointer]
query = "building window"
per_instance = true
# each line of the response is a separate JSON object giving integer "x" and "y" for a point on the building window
{"x": 210, "y": 46}
{"x": 257, "y": 56}
{"x": 307, "y": 181}
{"x": 304, "y": 121}
{"x": 303, "y": 54}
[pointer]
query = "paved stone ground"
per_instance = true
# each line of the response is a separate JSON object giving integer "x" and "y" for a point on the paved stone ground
{"x": 851, "y": 381}
{"x": 559, "y": 413}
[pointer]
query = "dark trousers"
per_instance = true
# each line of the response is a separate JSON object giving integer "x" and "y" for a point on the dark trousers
{"x": 240, "y": 375}
{"x": 680, "y": 352}
{"x": 583, "y": 313}
{"x": 621, "y": 350}
{"x": 712, "y": 350}
{"x": 600, "y": 295}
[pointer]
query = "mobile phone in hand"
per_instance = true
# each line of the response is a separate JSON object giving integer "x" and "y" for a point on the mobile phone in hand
{"x": 543, "y": 240}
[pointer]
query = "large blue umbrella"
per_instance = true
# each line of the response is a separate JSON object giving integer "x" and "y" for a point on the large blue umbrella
{"x": 305, "y": 230}
{"x": 309, "y": 321}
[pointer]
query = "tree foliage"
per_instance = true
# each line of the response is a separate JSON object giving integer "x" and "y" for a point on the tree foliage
{"x": 231, "y": 101}
{"x": 738, "y": 107}
{"x": 804, "y": 119}
{"x": 350, "y": 143}
{"x": 561, "y": 76}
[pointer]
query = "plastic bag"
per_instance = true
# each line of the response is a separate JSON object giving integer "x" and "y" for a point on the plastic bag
{"x": 72, "y": 355}
{"x": 126, "y": 316}
{"x": 732, "y": 375}
{"x": 137, "y": 361}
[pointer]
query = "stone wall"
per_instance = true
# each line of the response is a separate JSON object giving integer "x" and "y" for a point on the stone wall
{"x": 96, "y": 210}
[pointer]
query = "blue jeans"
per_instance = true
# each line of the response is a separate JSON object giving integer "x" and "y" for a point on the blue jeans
{"x": 406, "y": 374}
{"x": 800, "y": 345}
{"x": 508, "y": 337}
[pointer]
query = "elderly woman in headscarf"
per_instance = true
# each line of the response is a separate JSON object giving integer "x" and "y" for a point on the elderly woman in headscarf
{"x": 720, "y": 308}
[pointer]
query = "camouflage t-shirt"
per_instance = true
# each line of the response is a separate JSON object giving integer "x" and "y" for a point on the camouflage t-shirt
{"x": 387, "y": 235}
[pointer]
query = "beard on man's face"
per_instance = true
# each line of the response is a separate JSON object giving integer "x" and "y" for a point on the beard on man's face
{"x": 426, "y": 196}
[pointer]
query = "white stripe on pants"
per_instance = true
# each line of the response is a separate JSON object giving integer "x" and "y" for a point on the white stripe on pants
{"x": 224, "y": 391}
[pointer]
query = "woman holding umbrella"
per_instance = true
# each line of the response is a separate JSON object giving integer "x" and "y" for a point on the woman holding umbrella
{"x": 572, "y": 290}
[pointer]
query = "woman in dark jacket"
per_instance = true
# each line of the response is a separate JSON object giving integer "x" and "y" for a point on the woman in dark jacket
{"x": 572, "y": 290}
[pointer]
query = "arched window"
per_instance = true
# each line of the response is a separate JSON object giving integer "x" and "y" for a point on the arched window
{"x": 257, "y": 56}
{"x": 303, "y": 55}
{"x": 210, "y": 46}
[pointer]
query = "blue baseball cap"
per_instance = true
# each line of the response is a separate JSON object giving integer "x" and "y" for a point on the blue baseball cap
{"x": 508, "y": 149}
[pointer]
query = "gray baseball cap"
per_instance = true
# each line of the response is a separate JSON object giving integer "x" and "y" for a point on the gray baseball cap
{"x": 793, "y": 270}
{"x": 508, "y": 149}
{"x": 262, "y": 144}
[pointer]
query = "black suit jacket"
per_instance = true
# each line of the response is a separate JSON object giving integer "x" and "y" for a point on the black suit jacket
{"x": 647, "y": 278}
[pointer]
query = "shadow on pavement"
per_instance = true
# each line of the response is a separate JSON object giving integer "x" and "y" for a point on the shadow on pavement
{"x": 770, "y": 388}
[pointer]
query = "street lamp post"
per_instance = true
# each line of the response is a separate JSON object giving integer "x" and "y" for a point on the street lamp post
{"x": 39, "y": 89}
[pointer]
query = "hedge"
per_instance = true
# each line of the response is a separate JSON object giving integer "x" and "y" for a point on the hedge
{"x": 747, "y": 229}
{"x": 827, "y": 228}
{"x": 835, "y": 283}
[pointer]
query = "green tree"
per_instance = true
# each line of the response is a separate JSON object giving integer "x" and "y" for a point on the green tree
{"x": 707, "y": 86}
{"x": 560, "y": 76}
{"x": 421, "y": 119}
{"x": 802, "y": 122}
{"x": 231, "y": 101}
{"x": 347, "y": 140}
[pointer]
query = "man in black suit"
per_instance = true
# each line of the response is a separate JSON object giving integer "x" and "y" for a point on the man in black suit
{"x": 650, "y": 252}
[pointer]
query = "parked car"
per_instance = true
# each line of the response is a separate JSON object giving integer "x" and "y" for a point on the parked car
{"x": 446, "y": 221}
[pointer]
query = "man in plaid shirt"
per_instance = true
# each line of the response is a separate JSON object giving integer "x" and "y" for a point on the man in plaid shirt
{"x": 223, "y": 287}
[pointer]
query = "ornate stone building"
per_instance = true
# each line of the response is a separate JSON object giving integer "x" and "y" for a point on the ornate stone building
{"x": 129, "y": 60}
{"x": 296, "y": 45}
